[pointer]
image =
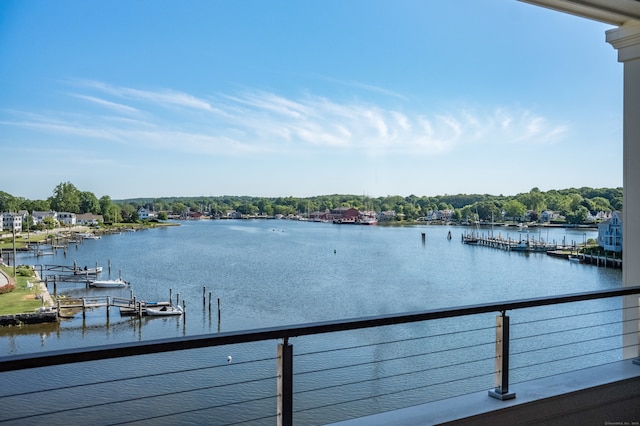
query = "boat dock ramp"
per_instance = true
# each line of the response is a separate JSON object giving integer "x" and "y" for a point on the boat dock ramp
{"x": 539, "y": 246}
{"x": 128, "y": 307}
{"x": 524, "y": 245}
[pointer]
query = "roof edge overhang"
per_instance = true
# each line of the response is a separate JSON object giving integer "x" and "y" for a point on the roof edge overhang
{"x": 616, "y": 13}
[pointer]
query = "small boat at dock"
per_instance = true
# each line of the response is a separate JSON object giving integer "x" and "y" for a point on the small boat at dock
{"x": 87, "y": 271}
{"x": 119, "y": 282}
{"x": 164, "y": 311}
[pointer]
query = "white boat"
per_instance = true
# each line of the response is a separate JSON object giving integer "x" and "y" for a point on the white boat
{"x": 523, "y": 245}
{"x": 88, "y": 271}
{"x": 164, "y": 311}
{"x": 109, "y": 283}
{"x": 574, "y": 258}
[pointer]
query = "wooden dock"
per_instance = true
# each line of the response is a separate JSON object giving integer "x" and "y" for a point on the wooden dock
{"x": 128, "y": 307}
{"x": 508, "y": 244}
{"x": 530, "y": 245}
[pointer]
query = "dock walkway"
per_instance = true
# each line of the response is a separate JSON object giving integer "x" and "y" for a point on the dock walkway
{"x": 528, "y": 245}
{"x": 128, "y": 307}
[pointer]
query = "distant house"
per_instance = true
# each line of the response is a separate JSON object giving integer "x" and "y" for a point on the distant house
{"x": 88, "y": 219}
{"x": 145, "y": 214}
{"x": 344, "y": 214}
{"x": 387, "y": 215}
{"x": 443, "y": 215}
{"x": 65, "y": 218}
{"x": 38, "y": 217}
{"x": 610, "y": 233}
{"x": 319, "y": 215}
{"x": 598, "y": 217}
{"x": 11, "y": 221}
{"x": 196, "y": 216}
{"x": 549, "y": 215}
{"x": 232, "y": 214}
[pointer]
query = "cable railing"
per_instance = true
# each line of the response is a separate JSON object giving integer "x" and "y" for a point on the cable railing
{"x": 339, "y": 370}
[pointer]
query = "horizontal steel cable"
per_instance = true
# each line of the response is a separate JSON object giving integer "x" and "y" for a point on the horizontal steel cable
{"x": 393, "y": 341}
{"x": 513, "y": 324}
{"x": 128, "y": 378}
{"x": 140, "y": 398}
{"x": 571, "y": 343}
{"x": 194, "y": 410}
{"x": 568, "y": 357}
{"x": 566, "y": 330}
{"x": 577, "y": 369}
{"x": 393, "y": 359}
{"x": 391, "y": 376}
{"x": 393, "y": 392}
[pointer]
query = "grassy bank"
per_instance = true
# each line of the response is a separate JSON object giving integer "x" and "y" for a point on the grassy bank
{"x": 22, "y": 299}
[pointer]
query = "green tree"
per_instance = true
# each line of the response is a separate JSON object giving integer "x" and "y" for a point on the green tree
{"x": 49, "y": 222}
{"x": 514, "y": 209}
{"x": 616, "y": 203}
{"x": 486, "y": 210}
{"x": 105, "y": 209}
{"x": 129, "y": 213}
{"x": 89, "y": 203}
{"x": 534, "y": 200}
{"x": 577, "y": 216}
{"x": 601, "y": 204}
{"x": 66, "y": 198}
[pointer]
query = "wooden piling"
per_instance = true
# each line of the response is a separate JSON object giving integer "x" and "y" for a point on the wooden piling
{"x": 178, "y": 299}
{"x": 209, "y": 302}
{"x": 218, "y": 310}
{"x": 204, "y": 295}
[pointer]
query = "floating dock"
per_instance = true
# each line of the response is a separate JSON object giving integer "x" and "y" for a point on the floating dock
{"x": 528, "y": 245}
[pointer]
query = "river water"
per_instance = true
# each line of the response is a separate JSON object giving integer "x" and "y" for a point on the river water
{"x": 277, "y": 272}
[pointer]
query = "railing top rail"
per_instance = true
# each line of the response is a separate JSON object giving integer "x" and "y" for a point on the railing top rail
{"x": 67, "y": 356}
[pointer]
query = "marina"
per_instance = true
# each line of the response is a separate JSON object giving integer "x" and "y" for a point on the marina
{"x": 305, "y": 272}
{"x": 525, "y": 245}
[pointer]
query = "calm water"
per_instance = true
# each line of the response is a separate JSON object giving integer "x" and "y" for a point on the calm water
{"x": 283, "y": 272}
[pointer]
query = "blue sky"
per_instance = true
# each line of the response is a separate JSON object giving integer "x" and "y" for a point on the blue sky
{"x": 297, "y": 98}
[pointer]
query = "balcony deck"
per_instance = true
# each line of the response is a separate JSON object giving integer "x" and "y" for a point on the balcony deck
{"x": 608, "y": 394}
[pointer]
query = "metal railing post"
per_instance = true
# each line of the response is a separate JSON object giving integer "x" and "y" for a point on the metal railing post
{"x": 501, "y": 390}
{"x": 285, "y": 384}
{"x": 637, "y": 359}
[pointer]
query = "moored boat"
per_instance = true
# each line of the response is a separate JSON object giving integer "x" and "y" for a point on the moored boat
{"x": 164, "y": 311}
{"x": 521, "y": 246}
{"x": 88, "y": 271}
{"x": 119, "y": 282}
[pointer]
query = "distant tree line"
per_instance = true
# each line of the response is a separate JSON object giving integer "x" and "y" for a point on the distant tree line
{"x": 574, "y": 204}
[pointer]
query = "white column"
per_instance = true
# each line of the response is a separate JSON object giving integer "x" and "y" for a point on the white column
{"x": 626, "y": 39}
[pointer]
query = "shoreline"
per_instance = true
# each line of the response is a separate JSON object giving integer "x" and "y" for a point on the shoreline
{"x": 45, "y": 314}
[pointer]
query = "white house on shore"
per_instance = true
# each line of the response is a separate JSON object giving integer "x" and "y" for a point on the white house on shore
{"x": 11, "y": 221}
{"x": 38, "y": 217}
{"x": 89, "y": 219}
{"x": 610, "y": 233}
{"x": 146, "y": 214}
{"x": 65, "y": 218}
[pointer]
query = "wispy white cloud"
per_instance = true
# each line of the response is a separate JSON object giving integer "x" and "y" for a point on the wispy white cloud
{"x": 162, "y": 97}
{"x": 367, "y": 87}
{"x": 108, "y": 104}
{"x": 258, "y": 121}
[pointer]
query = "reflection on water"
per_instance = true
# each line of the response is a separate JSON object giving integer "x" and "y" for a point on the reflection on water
{"x": 268, "y": 273}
